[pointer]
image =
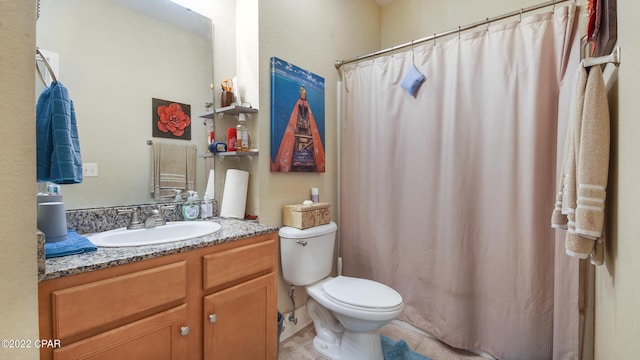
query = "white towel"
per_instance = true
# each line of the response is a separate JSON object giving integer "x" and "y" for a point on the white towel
{"x": 565, "y": 198}
{"x": 585, "y": 169}
{"x": 593, "y": 160}
{"x": 172, "y": 167}
{"x": 575, "y": 244}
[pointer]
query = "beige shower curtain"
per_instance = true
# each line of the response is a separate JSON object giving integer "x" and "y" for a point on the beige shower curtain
{"x": 447, "y": 196}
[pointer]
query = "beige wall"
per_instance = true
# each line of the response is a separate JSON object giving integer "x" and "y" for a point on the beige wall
{"x": 406, "y": 20}
{"x": 18, "y": 267}
{"x": 311, "y": 35}
{"x": 618, "y": 281}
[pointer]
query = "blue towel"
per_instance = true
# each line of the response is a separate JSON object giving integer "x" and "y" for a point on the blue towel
{"x": 58, "y": 148}
{"x": 399, "y": 350}
{"x": 75, "y": 244}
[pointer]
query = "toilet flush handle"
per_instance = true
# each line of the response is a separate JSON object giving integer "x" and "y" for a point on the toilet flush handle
{"x": 302, "y": 242}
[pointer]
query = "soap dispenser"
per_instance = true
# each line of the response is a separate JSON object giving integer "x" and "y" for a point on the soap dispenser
{"x": 190, "y": 210}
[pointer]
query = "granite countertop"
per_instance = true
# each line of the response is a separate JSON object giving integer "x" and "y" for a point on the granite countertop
{"x": 107, "y": 257}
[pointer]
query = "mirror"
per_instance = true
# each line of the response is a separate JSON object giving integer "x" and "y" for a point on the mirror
{"x": 114, "y": 57}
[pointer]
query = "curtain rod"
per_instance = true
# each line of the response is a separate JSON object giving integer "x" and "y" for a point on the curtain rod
{"x": 339, "y": 63}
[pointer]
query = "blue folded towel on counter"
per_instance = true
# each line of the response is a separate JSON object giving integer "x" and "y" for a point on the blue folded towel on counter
{"x": 57, "y": 145}
{"x": 75, "y": 244}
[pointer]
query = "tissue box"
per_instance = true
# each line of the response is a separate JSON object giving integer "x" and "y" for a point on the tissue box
{"x": 306, "y": 216}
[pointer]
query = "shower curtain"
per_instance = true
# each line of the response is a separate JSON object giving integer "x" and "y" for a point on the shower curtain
{"x": 447, "y": 196}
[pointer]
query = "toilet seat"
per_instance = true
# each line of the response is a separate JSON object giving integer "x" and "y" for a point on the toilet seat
{"x": 362, "y": 294}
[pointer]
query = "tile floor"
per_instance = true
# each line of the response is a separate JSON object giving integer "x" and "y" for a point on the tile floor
{"x": 300, "y": 347}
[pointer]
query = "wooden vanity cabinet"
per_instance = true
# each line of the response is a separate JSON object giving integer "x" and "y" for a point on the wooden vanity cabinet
{"x": 218, "y": 302}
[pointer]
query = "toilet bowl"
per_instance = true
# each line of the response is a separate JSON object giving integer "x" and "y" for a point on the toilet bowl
{"x": 346, "y": 311}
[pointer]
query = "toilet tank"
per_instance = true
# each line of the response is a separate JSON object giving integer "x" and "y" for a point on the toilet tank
{"x": 307, "y": 255}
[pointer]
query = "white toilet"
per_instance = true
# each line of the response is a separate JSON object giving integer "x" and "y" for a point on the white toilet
{"x": 360, "y": 306}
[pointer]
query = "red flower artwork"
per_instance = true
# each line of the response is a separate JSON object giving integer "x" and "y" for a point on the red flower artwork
{"x": 172, "y": 119}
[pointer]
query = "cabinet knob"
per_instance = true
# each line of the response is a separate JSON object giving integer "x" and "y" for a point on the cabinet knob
{"x": 213, "y": 318}
{"x": 184, "y": 331}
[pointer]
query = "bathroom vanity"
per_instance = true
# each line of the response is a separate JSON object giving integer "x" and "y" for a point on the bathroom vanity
{"x": 212, "y": 297}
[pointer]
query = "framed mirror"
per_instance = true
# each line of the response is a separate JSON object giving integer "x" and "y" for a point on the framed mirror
{"x": 114, "y": 57}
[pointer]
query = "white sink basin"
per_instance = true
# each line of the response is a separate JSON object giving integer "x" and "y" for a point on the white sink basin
{"x": 172, "y": 231}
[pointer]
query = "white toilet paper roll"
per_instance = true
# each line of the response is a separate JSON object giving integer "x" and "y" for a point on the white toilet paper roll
{"x": 234, "y": 194}
{"x": 52, "y": 221}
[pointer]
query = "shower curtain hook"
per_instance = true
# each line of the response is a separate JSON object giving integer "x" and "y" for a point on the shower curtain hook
{"x": 488, "y": 23}
{"x": 553, "y": 9}
{"x": 459, "y": 30}
{"x": 413, "y": 61}
{"x": 434, "y": 39}
{"x": 521, "y": 10}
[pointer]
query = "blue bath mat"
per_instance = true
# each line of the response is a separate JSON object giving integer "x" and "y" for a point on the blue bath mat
{"x": 399, "y": 350}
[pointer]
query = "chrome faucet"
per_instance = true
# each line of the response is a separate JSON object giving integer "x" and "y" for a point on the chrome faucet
{"x": 154, "y": 219}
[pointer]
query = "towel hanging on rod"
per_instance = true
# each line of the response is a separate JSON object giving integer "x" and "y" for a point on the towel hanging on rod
{"x": 46, "y": 63}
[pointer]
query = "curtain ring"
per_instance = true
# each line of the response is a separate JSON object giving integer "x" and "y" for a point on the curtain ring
{"x": 553, "y": 9}
{"x": 434, "y": 39}
{"x": 459, "y": 32}
{"x": 488, "y": 23}
{"x": 521, "y": 10}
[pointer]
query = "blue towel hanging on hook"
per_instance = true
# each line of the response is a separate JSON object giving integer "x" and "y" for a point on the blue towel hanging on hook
{"x": 58, "y": 147}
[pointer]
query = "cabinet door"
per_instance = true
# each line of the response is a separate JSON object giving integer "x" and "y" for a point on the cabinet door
{"x": 241, "y": 322}
{"x": 157, "y": 337}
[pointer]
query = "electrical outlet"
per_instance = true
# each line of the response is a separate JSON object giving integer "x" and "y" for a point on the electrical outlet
{"x": 89, "y": 169}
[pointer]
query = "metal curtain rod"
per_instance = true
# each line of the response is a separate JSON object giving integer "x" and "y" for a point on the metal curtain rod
{"x": 339, "y": 63}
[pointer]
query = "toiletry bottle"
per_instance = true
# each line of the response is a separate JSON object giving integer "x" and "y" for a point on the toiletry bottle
{"x": 206, "y": 207}
{"x": 315, "y": 195}
{"x": 178, "y": 197}
{"x": 231, "y": 139}
{"x": 190, "y": 210}
{"x": 243, "y": 139}
{"x": 210, "y": 135}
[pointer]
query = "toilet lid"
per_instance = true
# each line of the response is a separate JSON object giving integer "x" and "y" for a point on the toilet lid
{"x": 362, "y": 293}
